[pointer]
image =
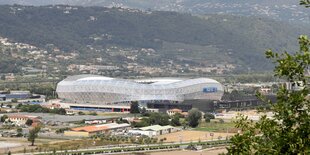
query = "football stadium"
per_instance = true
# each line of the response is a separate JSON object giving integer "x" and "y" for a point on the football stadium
{"x": 100, "y": 90}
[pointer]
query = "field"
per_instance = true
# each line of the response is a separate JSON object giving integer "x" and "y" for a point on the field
{"x": 13, "y": 145}
{"x": 186, "y": 136}
{"x": 217, "y": 127}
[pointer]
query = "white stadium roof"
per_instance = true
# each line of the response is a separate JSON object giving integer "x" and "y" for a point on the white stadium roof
{"x": 100, "y": 89}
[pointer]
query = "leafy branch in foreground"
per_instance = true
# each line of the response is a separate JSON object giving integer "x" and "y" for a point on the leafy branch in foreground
{"x": 306, "y": 3}
{"x": 288, "y": 131}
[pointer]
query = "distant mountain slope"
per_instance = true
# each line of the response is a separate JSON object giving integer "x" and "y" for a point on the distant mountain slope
{"x": 237, "y": 40}
{"x": 287, "y": 10}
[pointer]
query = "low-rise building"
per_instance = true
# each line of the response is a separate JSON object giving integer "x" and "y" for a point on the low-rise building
{"x": 154, "y": 130}
{"x": 152, "y": 110}
{"x": 53, "y": 106}
{"x": 22, "y": 119}
{"x": 87, "y": 131}
{"x": 172, "y": 112}
{"x": 16, "y": 95}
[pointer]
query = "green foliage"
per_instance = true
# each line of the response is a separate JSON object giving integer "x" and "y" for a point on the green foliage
{"x": 221, "y": 121}
{"x": 19, "y": 105}
{"x": 121, "y": 120}
{"x": 81, "y": 113}
{"x": 231, "y": 38}
{"x": 144, "y": 122}
{"x": 47, "y": 90}
{"x": 207, "y": 120}
{"x": 19, "y": 132}
{"x": 33, "y": 134}
{"x": 159, "y": 118}
{"x": 306, "y": 3}
{"x": 134, "y": 107}
{"x": 153, "y": 119}
{"x": 232, "y": 96}
{"x": 14, "y": 100}
{"x": 4, "y": 117}
{"x": 289, "y": 129}
{"x": 193, "y": 118}
{"x": 93, "y": 113}
{"x": 61, "y": 130}
{"x": 39, "y": 109}
{"x": 60, "y": 111}
{"x": 208, "y": 117}
{"x": 143, "y": 111}
{"x": 175, "y": 120}
{"x": 216, "y": 127}
{"x": 29, "y": 122}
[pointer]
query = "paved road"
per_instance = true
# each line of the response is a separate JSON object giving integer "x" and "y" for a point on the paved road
{"x": 126, "y": 146}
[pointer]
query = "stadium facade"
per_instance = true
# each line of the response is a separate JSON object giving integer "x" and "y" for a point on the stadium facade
{"x": 99, "y": 90}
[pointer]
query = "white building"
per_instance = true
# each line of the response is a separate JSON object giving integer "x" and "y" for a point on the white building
{"x": 93, "y": 89}
{"x": 154, "y": 130}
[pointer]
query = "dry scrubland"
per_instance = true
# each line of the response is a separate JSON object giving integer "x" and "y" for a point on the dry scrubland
{"x": 192, "y": 136}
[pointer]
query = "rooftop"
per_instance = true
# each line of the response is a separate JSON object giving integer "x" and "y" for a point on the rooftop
{"x": 175, "y": 110}
{"x": 156, "y": 128}
{"x": 95, "y": 128}
{"x": 22, "y": 116}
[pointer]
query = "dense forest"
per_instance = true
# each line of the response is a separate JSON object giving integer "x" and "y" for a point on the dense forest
{"x": 242, "y": 39}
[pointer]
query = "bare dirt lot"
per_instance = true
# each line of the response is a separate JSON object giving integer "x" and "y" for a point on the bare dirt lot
{"x": 187, "y": 135}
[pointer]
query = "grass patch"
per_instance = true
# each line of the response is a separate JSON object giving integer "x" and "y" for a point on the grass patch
{"x": 217, "y": 127}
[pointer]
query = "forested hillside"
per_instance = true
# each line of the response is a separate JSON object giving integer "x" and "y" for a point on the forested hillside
{"x": 213, "y": 38}
{"x": 285, "y": 10}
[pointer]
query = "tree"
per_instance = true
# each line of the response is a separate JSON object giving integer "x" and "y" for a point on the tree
{"x": 175, "y": 121}
{"x": 208, "y": 117}
{"x": 207, "y": 120}
{"x": 19, "y": 132}
{"x": 143, "y": 111}
{"x": 221, "y": 121}
{"x": 14, "y": 100}
{"x": 194, "y": 116}
{"x": 134, "y": 107}
{"x": 289, "y": 129}
{"x": 61, "y": 111}
{"x": 29, "y": 122}
{"x": 2, "y": 77}
{"x": 19, "y": 105}
{"x": 158, "y": 118}
{"x": 33, "y": 134}
{"x": 81, "y": 113}
{"x": 4, "y": 117}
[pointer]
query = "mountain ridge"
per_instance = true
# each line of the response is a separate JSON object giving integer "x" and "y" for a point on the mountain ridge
{"x": 178, "y": 37}
{"x": 285, "y": 10}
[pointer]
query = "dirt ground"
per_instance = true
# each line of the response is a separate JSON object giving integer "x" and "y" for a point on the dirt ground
{"x": 18, "y": 144}
{"x": 212, "y": 151}
{"x": 186, "y": 136}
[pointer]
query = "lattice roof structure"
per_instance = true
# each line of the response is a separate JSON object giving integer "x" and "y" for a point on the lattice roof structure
{"x": 102, "y": 90}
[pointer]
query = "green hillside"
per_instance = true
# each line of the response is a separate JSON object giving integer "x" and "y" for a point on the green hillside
{"x": 233, "y": 39}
